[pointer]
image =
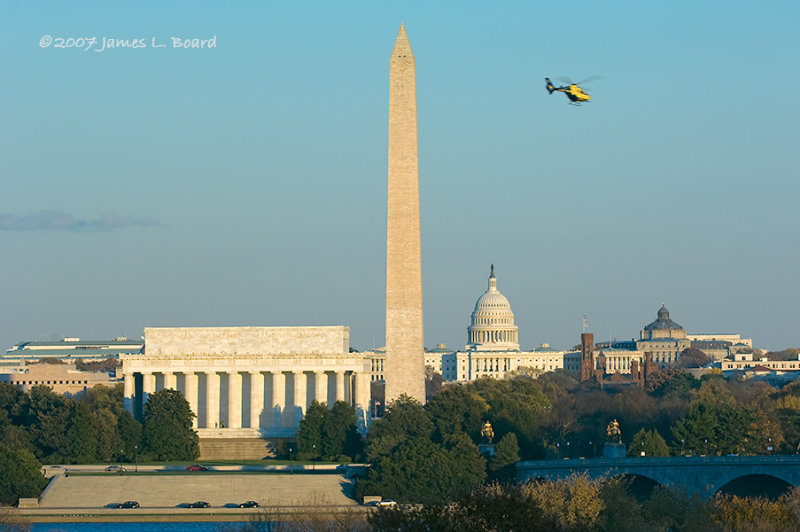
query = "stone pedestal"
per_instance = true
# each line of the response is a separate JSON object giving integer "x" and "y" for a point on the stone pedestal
{"x": 486, "y": 449}
{"x": 614, "y": 450}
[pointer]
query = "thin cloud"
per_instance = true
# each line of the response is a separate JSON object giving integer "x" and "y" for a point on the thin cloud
{"x": 61, "y": 221}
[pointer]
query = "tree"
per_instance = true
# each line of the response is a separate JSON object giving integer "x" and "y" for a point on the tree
{"x": 340, "y": 437}
{"x": 12, "y": 400}
{"x": 573, "y": 503}
{"x": 420, "y": 471}
{"x": 109, "y": 444}
{"x": 746, "y": 513}
{"x": 457, "y": 409}
{"x": 20, "y": 475}
{"x": 433, "y": 383}
{"x": 670, "y": 382}
{"x": 130, "y": 434}
{"x": 406, "y": 419}
{"x": 81, "y": 436}
{"x": 506, "y": 455}
{"x": 717, "y": 429}
{"x": 309, "y": 435}
{"x": 692, "y": 358}
{"x": 787, "y": 354}
{"x": 329, "y": 434}
{"x": 48, "y": 416}
{"x": 167, "y": 431}
{"x": 648, "y": 442}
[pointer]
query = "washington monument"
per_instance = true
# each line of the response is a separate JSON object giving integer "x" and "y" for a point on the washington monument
{"x": 405, "y": 363}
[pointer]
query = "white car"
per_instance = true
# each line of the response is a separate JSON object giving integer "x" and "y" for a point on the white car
{"x": 386, "y": 503}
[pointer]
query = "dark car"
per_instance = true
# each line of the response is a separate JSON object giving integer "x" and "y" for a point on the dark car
{"x": 249, "y": 504}
{"x": 127, "y": 504}
{"x": 196, "y": 467}
{"x": 199, "y": 504}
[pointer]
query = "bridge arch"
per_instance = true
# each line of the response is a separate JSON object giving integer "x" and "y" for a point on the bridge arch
{"x": 703, "y": 476}
{"x": 770, "y": 486}
{"x": 640, "y": 486}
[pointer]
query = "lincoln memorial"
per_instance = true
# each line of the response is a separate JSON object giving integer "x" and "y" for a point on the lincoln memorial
{"x": 246, "y": 382}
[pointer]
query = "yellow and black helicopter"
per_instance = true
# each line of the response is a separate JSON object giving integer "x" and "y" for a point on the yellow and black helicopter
{"x": 576, "y": 94}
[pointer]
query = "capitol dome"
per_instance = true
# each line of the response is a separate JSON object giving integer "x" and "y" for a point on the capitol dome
{"x": 492, "y": 325}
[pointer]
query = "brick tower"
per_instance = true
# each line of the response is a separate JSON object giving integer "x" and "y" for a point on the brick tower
{"x": 587, "y": 357}
{"x": 405, "y": 363}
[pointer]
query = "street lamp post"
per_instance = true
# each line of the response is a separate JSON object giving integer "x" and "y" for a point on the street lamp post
{"x": 135, "y": 458}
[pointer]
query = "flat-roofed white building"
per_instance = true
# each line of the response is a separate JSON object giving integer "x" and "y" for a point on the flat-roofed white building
{"x": 70, "y": 350}
{"x": 734, "y": 339}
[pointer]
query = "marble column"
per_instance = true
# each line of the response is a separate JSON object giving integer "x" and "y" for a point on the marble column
{"x": 362, "y": 391}
{"x": 256, "y": 398}
{"x": 340, "y": 385}
{"x": 235, "y": 400}
{"x": 190, "y": 392}
{"x": 278, "y": 398}
{"x": 148, "y": 386}
{"x": 321, "y": 387}
{"x": 212, "y": 400}
{"x": 170, "y": 381}
{"x": 128, "y": 390}
{"x": 300, "y": 395}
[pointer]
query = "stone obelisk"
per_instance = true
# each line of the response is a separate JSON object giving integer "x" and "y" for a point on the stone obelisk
{"x": 405, "y": 364}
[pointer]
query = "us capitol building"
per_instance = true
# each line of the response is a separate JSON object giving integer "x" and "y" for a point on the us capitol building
{"x": 492, "y": 347}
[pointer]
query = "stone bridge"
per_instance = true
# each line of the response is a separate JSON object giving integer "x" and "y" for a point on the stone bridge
{"x": 704, "y": 475}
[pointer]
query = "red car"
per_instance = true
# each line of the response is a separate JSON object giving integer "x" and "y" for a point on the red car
{"x": 196, "y": 468}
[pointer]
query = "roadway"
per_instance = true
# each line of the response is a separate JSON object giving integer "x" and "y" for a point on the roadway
{"x": 88, "y": 492}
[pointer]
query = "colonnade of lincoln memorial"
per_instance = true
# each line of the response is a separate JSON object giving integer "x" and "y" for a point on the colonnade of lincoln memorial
{"x": 247, "y": 394}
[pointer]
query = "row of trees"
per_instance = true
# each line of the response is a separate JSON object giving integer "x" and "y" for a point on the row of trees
{"x": 94, "y": 427}
{"x": 674, "y": 415}
{"x": 56, "y": 428}
{"x": 41, "y": 426}
{"x": 580, "y": 503}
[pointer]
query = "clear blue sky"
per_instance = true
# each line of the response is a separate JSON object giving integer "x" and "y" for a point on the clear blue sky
{"x": 246, "y": 184}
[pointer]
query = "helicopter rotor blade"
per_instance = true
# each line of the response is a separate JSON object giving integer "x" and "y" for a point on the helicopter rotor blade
{"x": 589, "y": 79}
{"x": 564, "y": 79}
